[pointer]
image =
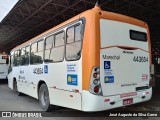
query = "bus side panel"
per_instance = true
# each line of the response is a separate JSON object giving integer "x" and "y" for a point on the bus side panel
{"x": 65, "y": 98}
{"x": 62, "y": 92}
{"x": 28, "y": 80}
{"x": 10, "y": 80}
{"x": 21, "y": 82}
{"x": 58, "y": 74}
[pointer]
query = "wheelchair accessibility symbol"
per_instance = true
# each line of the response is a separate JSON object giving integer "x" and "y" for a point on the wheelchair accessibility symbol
{"x": 107, "y": 65}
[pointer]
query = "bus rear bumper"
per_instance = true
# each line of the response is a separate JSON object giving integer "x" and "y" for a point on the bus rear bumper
{"x": 91, "y": 102}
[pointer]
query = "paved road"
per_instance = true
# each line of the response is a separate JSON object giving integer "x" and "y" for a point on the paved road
{"x": 9, "y": 101}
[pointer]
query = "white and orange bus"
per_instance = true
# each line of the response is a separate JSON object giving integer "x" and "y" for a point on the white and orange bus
{"x": 4, "y": 61}
{"x": 95, "y": 61}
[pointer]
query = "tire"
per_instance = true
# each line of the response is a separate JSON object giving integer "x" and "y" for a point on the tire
{"x": 44, "y": 98}
{"x": 16, "y": 89}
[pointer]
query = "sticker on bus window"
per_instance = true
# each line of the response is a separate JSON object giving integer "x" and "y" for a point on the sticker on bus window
{"x": 46, "y": 69}
{"x": 109, "y": 79}
{"x": 107, "y": 65}
{"x": 72, "y": 79}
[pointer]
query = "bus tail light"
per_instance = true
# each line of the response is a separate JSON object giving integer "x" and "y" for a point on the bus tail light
{"x": 95, "y": 86}
{"x": 95, "y": 75}
{"x": 96, "y": 89}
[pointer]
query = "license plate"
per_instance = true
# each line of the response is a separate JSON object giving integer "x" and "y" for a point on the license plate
{"x": 128, "y": 101}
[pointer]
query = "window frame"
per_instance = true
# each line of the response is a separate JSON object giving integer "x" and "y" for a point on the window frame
{"x": 14, "y": 58}
{"x": 17, "y": 55}
{"x": 63, "y": 29}
{"x": 40, "y": 39}
{"x": 29, "y": 46}
{"x": 52, "y": 35}
{"x": 53, "y": 44}
{"x": 82, "y": 36}
{"x": 21, "y": 55}
{"x": 11, "y": 60}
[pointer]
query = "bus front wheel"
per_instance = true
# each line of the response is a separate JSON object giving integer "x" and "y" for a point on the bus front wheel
{"x": 44, "y": 98}
{"x": 15, "y": 88}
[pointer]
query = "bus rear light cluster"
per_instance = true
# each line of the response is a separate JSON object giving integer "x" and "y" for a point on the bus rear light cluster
{"x": 96, "y": 89}
{"x": 95, "y": 86}
{"x": 96, "y": 81}
{"x": 95, "y": 75}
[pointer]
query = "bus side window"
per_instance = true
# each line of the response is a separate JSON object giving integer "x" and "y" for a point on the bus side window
{"x": 40, "y": 51}
{"x": 10, "y": 62}
{"x": 33, "y": 51}
{"x": 11, "y": 59}
{"x": 27, "y": 54}
{"x": 16, "y": 58}
{"x": 37, "y": 52}
{"x": 48, "y": 46}
{"x": 22, "y": 58}
{"x": 74, "y": 43}
{"x": 57, "y": 52}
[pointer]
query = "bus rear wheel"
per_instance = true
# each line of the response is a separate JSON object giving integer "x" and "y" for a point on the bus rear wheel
{"x": 44, "y": 98}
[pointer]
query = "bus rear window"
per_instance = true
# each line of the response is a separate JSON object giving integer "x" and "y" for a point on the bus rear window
{"x": 139, "y": 36}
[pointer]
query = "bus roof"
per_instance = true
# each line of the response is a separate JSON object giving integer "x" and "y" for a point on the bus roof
{"x": 96, "y": 10}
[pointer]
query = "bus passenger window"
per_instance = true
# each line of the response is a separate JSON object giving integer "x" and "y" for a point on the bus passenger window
{"x": 70, "y": 35}
{"x": 36, "y": 53}
{"x": 16, "y": 58}
{"x": 27, "y": 55}
{"x": 12, "y": 58}
{"x": 11, "y": 62}
{"x": 33, "y": 51}
{"x": 78, "y": 33}
{"x": 22, "y": 58}
{"x": 57, "y": 52}
{"x": 40, "y": 51}
{"x": 48, "y": 46}
{"x": 73, "y": 49}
